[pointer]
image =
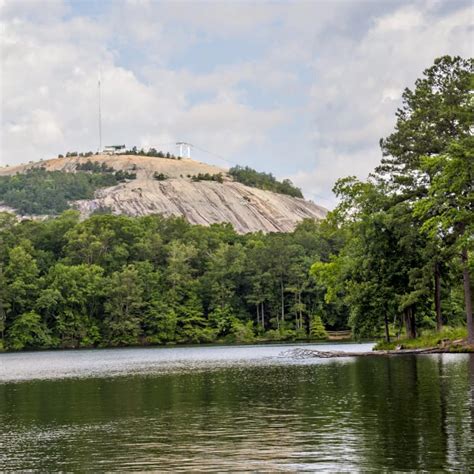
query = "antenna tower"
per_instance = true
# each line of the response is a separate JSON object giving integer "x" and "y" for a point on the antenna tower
{"x": 100, "y": 115}
{"x": 186, "y": 147}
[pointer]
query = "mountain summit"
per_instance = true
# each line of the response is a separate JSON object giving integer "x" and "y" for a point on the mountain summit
{"x": 201, "y": 193}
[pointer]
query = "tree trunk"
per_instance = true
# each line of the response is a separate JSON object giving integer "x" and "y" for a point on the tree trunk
{"x": 467, "y": 296}
{"x": 282, "y": 301}
{"x": 413, "y": 322}
{"x": 406, "y": 321}
{"x": 3, "y": 320}
{"x": 410, "y": 324}
{"x": 400, "y": 324}
{"x": 263, "y": 316}
{"x": 437, "y": 290}
{"x": 301, "y": 310}
{"x": 258, "y": 315}
{"x": 387, "y": 333}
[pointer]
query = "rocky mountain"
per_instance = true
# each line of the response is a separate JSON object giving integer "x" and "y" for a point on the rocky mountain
{"x": 176, "y": 193}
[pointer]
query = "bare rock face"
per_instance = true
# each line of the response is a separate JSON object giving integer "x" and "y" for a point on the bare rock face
{"x": 202, "y": 202}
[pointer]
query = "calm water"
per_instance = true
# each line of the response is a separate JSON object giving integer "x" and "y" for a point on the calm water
{"x": 235, "y": 408}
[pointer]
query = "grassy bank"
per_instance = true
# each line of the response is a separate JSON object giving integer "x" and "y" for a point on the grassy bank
{"x": 452, "y": 338}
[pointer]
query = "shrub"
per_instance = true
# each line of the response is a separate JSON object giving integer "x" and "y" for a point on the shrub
{"x": 160, "y": 176}
{"x": 208, "y": 177}
{"x": 28, "y": 332}
{"x": 317, "y": 329}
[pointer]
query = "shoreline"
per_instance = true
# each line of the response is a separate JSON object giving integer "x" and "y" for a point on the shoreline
{"x": 259, "y": 342}
{"x": 450, "y": 349}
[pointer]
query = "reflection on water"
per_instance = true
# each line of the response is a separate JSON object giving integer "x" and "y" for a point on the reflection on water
{"x": 111, "y": 362}
{"x": 248, "y": 409}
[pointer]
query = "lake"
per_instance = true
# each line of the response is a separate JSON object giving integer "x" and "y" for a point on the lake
{"x": 217, "y": 408}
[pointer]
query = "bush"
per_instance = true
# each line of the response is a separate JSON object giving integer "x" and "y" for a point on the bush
{"x": 430, "y": 338}
{"x": 280, "y": 335}
{"x": 241, "y": 332}
{"x": 160, "y": 176}
{"x": 28, "y": 332}
{"x": 208, "y": 177}
{"x": 121, "y": 176}
{"x": 317, "y": 329}
{"x": 151, "y": 152}
{"x": 95, "y": 167}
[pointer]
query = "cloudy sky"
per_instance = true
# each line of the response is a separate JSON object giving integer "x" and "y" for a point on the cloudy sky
{"x": 302, "y": 89}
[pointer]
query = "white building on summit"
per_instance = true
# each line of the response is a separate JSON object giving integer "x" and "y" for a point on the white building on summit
{"x": 114, "y": 149}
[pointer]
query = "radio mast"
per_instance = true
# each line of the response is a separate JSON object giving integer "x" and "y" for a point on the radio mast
{"x": 100, "y": 115}
{"x": 186, "y": 147}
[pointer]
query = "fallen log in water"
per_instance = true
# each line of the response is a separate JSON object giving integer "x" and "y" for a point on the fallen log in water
{"x": 300, "y": 353}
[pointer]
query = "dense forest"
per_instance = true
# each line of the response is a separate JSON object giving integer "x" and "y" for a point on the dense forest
{"x": 394, "y": 257}
{"x": 116, "y": 280}
{"x": 266, "y": 181}
{"x": 49, "y": 192}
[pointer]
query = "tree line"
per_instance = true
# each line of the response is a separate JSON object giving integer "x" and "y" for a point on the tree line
{"x": 117, "y": 280}
{"x": 266, "y": 181}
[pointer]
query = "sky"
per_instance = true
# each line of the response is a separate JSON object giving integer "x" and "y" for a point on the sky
{"x": 304, "y": 90}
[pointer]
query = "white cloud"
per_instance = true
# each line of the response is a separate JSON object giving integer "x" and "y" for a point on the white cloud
{"x": 354, "y": 99}
{"x": 331, "y": 166}
{"x": 343, "y": 64}
{"x": 33, "y": 9}
{"x": 405, "y": 18}
{"x": 233, "y": 126}
{"x": 50, "y": 94}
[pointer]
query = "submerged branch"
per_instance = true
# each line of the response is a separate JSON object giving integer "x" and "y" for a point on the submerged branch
{"x": 312, "y": 353}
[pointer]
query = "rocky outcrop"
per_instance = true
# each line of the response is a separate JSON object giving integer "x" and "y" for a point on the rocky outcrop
{"x": 200, "y": 202}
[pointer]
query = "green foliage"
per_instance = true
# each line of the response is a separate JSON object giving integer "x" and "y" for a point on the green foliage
{"x": 152, "y": 152}
{"x": 121, "y": 175}
{"x": 28, "y": 332}
{"x": 49, "y": 192}
{"x": 429, "y": 338}
{"x": 208, "y": 177}
{"x": 280, "y": 334}
{"x": 241, "y": 332}
{"x": 123, "y": 307}
{"x": 317, "y": 329}
{"x": 70, "y": 302}
{"x": 439, "y": 110}
{"x": 160, "y": 176}
{"x": 118, "y": 281}
{"x": 267, "y": 181}
{"x": 406, "y": 223}
{"x": 448, "y": 208}
{"x": 95, "y": 167}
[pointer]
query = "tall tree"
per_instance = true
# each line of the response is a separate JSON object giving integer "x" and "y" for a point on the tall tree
{"x": 439, "y": 110}
{"x": 448, "y": 208}
{"x": 22, "y": 275}
{"x": 71, "y": 302}
{"x": 123, "y": 307}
